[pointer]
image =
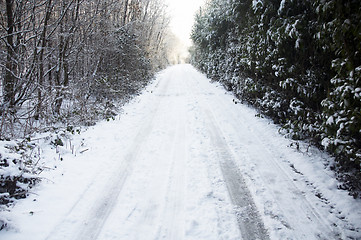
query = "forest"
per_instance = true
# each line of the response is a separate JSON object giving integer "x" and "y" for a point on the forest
{"x": 70, "y": 62}
{"x": 297, "y": 62}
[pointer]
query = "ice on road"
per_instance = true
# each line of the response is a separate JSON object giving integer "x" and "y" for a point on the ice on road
{"x": 183, "y": 161}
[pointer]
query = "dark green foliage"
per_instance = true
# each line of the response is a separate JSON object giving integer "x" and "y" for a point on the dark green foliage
{"x": 58, "y": 142}
{"x": 299, "y": 62}
{"x": 15, "y": 186}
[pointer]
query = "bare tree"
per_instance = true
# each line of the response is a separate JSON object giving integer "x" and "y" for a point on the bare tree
{"x": 10, "y": 65}
{"x": 66, "y": 57}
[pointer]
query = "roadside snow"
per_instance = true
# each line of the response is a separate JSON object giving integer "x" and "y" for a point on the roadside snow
{"x": 159, "y": 171}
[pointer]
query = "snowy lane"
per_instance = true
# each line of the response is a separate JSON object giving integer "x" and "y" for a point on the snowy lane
{"x": 158, "y": 197}
{"x": 184, "y": 162}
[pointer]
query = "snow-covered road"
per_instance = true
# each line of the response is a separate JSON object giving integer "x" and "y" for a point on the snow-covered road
{"x": 183, "y": 161}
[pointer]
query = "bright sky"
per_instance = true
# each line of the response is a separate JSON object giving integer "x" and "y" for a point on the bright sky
{"x": 182, "y": 13}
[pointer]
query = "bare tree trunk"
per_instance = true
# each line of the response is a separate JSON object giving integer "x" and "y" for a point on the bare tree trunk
{"x": 125, "y": 12}
{"x": 41, "y": 60}
{"x": 63, "y": 49}
{"x": 10, "y": 71}
{"x": 58, "y": 82}
{"x": 146, "y": 11}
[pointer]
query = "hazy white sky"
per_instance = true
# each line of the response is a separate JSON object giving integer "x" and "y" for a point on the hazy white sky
{"x": 182, "y": 13}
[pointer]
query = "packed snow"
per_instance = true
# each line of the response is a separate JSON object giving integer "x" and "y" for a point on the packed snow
{"x": 184, "y": 160}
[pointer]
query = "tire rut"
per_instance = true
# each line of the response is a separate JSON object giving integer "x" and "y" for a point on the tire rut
{"x": 101, "y": 210}
{"x": 93, "y": 223}
{"x": 248, "y": 218}
{"x": 173, "y": 215}
{"x": 270, "y": 154}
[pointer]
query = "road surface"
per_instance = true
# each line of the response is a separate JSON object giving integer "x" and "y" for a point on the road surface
{"x": 185, "y": 161}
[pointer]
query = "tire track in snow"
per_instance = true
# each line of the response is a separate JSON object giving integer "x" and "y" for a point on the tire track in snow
{"x": 319, "y": 225}
{"x": 105, "y": 204}
{"x": 322, "y": 227}
{"x": 93, "y": 223}
{"x": 225, "y": 212}
{"x": 249, "y": 221}
{"x": 173, "y": 216}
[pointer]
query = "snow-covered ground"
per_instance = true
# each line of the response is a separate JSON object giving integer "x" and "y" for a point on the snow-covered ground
{"x": 183, "y": 161}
